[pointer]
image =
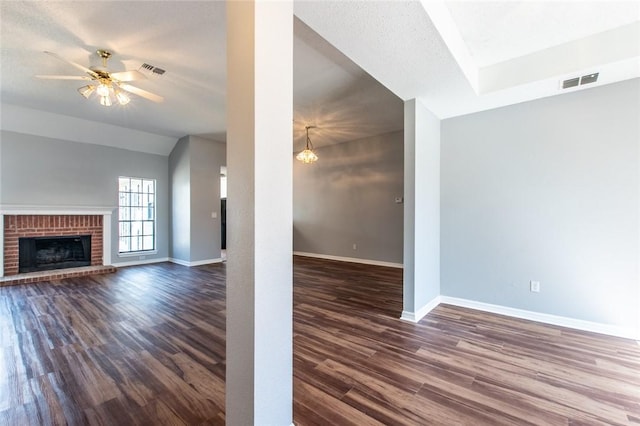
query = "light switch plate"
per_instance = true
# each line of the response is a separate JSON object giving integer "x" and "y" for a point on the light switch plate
{"x": 535, "y": 286}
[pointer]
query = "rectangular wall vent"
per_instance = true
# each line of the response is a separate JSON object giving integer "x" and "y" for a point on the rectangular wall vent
{"x": 151, "y": 70}
{"x": 572, "y": 82}
{"x": 590, "y": 78}
{"x": 579, "y": 81}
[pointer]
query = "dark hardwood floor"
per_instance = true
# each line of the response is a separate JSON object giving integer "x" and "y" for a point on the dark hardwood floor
{"x": 146, "y": 346}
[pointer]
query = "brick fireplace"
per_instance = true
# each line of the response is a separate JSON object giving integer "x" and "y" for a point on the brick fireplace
{"x": 21, "y": 222}
{"x": 17, "y": 226}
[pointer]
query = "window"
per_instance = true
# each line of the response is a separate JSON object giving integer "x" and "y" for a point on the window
{"x": 136, "y": 214}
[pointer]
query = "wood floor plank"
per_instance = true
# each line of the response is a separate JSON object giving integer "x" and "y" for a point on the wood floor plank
{"x": 316, "y": 402}
{"x": 146, "y": 346}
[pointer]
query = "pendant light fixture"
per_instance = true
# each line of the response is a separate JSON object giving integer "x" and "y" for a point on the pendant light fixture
{"x": 307, "y": 156}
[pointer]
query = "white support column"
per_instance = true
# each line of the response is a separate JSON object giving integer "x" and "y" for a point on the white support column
{"x": 106, "y": 239}
{"x": 421, "y": 282}
{"x": 259, "y": 382}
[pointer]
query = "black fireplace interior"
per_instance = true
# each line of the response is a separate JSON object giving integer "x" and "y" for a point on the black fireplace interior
{"x": 45, "y": 253}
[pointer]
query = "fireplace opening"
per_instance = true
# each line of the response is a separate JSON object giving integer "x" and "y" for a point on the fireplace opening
{"x": 45, "y": 253}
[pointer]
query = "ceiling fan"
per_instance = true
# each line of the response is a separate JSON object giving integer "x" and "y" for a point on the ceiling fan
{"x": 107, "y": 85}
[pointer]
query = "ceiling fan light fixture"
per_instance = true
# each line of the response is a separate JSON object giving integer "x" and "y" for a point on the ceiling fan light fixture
{"x": 103, "y": 89}
{"x": 105, "y": 101}
{"x": 307, "y": 156}
{"x": 86, "y": 91}
{"x": 109, "y": 86}
{"x": 122, "y": 97}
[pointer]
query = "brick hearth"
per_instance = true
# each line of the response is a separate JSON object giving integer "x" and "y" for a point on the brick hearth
{"x": 16, "y": 226}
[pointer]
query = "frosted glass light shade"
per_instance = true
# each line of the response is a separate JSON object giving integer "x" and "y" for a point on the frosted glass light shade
{"x": 307, "y": 156}
{"x": 122, "y": 98}
{"x": 103, "y": 90}
{"x": 105, "y": 101}
{"x": 86, "y": 91}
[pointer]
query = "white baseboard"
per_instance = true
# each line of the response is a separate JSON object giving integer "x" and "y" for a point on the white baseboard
{"x": 422, "y": 312}
{"x": 195, "y": 263}
{"x": 349, "y": 259}
{"x": 577, "y": 324}
{"x": 140, "y": 262}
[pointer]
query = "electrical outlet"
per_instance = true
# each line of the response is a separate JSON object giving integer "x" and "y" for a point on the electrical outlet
{"x": 355, "y": 246}
{"x": 535, "y": 286}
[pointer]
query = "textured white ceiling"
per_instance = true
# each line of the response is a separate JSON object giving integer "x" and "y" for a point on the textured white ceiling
{"x": 416, "y": 49}
{"x": 335, "y": 95}
{"x": 184, "y": 38}
{"x": 437, "y": 52}
{"x": 498, "y": 31}
{"x": 187, "y": 39}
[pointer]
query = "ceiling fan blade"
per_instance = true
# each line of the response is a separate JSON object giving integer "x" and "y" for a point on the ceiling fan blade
{"x": 80, "y": 67}
{"x": 142, "y": 93}
{"x": 128, "y": 75}
{"x": 63, "y": 77}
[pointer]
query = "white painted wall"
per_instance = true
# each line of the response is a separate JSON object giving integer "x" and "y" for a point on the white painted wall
{"x": 259, "y": 384}
{"x": 547, "y": 190}
{"x": 421, "y": 281}
{"x": 427, "y": 205}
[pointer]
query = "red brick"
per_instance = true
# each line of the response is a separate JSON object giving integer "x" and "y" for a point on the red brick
{"x": 17, "y": 226}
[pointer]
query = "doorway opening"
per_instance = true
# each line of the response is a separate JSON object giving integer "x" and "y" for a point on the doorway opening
{"x": 223, "y": 212}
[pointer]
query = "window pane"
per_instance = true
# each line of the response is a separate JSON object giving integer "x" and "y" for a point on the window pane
{"x": 136, "y": 213}
{"x": 125, "y": 229}
{"x": 135, "y": 244}
{"x": 123, "y": 214}
{"x": 136, "y": 185}
{"x": 136, "y": 199}
{"x": 124, "y": 245}
{"x": 147, "y": 228}
{"x": 147, "y": 243}
{"x": 124, "y": 199}
{"x": 149, "y": 213}
{"x": 124, "y": 185}
{"x": 136, "y": 228}
{"x": 149, "y": 186}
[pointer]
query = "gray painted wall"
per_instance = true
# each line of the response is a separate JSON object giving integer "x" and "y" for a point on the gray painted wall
{"x": 206, "y": 158}
{"x": 546, "y": 190}
{"x": 194, "y": 171}
{"x": 347, "y": 197}
{"x": 35, "y": 170}
{"x": 180, "y": 190}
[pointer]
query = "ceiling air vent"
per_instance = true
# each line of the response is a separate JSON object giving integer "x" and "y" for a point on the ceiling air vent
{"x": 572, "y": 82}
{"x": 151, "y": 70}
{"x": 579, "y": 81}
{"x": 586, "y": 79}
